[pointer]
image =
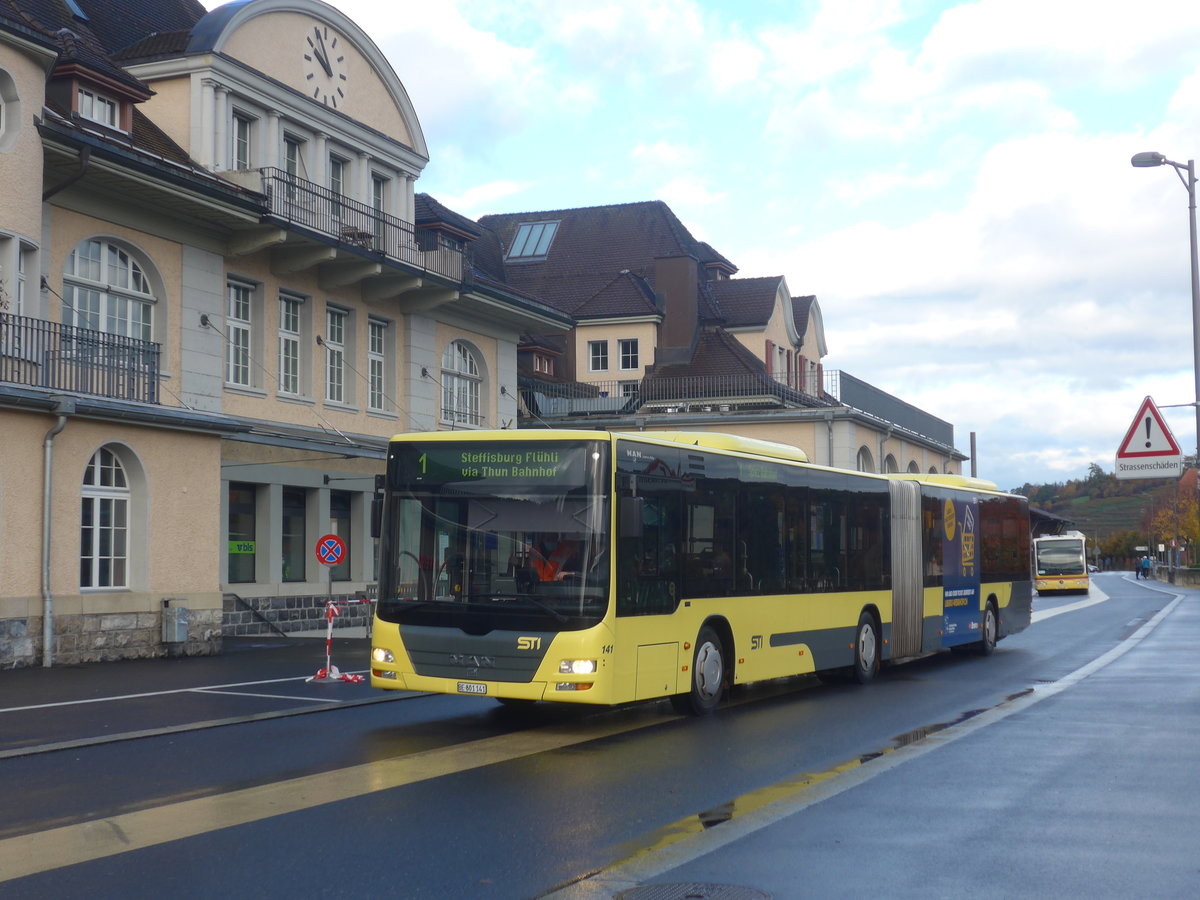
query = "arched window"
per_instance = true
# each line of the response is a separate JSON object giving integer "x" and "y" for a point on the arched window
{"x": 913, "y": 468}
{"x": 104, "y": 523}
{"x": 890, "y": 465}
{"x": 866, "y": 462}
{"x": 105, "y": 289}
{"x": 460, "y": 385}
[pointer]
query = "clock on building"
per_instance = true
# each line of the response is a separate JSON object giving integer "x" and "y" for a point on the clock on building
{"x": 325, "y": 66}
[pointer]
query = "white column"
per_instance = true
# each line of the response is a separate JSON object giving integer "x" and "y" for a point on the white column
{"x": 221, "y": 160}
{"x": 204, "y": 140}
{"x": 270, "y": 151}
{"x": 320, "y": 162}
{"x": 363, "y": 190}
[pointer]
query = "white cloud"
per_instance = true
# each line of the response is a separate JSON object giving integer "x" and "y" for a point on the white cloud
{"x": 482, "y": 199}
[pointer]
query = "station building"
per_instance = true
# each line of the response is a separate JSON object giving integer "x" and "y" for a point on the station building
{"x": 221, "y": 293}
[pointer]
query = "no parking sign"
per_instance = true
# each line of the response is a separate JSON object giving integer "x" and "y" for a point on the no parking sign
{"x": 331, "y": 550}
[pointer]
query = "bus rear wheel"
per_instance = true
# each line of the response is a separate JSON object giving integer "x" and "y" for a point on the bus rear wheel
{"x": 991, "y": 628}
{"x": 866, "y": 649}
{"x": 708, "y": 676}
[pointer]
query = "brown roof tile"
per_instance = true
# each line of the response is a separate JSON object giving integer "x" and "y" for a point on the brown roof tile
{"x": 747, "y": 302}
{"x": 592, "y": 245}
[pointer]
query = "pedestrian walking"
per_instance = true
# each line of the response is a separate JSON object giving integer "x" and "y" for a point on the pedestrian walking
{"x": 1146, "y": 567}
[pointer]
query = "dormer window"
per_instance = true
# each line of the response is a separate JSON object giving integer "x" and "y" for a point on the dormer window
{"x": 532, "y": 240}
{"x": 98, "y": 108}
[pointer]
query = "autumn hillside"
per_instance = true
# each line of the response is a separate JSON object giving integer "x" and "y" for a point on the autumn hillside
{"x": 1121, "y": 515}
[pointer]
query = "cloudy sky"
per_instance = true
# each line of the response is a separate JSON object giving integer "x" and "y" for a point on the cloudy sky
{"x": 952, "y": 180}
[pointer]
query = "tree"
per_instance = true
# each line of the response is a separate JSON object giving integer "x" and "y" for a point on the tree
{"x": 1175, "y": 517}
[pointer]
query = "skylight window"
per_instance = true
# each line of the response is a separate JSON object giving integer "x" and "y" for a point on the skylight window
{"x": 532, "y": 240}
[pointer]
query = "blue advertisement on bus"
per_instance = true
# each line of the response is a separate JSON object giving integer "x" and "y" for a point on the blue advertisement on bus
{"x": 960, "y": 601}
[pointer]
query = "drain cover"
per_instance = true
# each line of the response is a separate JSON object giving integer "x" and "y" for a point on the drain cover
{"x": 692, "y": 891}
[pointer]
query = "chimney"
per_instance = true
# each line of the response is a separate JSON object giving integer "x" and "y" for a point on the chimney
{"x": 677, "y": 281}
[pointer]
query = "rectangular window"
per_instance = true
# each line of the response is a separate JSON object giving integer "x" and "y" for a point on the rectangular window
{"x": 242, "y": 127}
{"x": 292, "y": 162}
{"x": 629, "y": 353}
{"x": 237, "y": 324}
{"x": 337, "y": 186}
{"x": 532, "y": 240}
{"x": 376, "y": 364}
{"x": 379, "y": 186}
{"x": 289, "y": 344}
{"x": 294, "y": 541}
{"x": 98, "y": 108}
{"x": 104, "y": 541}
{"x": 337, "y": 176}
{"x": 379, "y": 192}
{"x": 335, "y": 356}
{"x": 598, "y": 356}
{"x": 242, "y": 533}
{"x": 22, "y": 252}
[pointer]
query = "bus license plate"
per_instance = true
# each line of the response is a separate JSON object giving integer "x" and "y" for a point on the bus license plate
{"x": 469, "y": 687}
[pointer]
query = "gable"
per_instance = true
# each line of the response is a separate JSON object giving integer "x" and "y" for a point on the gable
{"x": 279, "y": 38}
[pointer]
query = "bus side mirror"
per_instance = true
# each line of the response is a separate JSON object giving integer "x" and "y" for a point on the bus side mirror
{"x": 377, "y": 507}
{"x": 629, "y": 517}
{"x": 376, "y": 516}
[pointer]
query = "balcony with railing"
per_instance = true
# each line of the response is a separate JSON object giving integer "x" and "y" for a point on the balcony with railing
{"x": 356, "y": 225}
{"x": 40, "y": 354}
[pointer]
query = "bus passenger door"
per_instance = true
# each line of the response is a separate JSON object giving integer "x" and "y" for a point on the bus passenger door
{"x": 907, "y": 581}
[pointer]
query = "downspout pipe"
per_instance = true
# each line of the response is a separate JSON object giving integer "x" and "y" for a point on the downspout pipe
{"x": 64, "y": 406}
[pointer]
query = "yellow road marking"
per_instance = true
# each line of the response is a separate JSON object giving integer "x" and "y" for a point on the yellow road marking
{"x": 44, "y": 851}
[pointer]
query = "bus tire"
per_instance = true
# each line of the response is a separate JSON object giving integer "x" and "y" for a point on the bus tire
{"x": 990, "y": 630}
{"x": 866, "y": 649}
{"x": 707, "y": 676}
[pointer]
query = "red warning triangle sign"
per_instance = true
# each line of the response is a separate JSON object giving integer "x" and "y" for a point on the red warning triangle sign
{"x": 1148, "y": 436}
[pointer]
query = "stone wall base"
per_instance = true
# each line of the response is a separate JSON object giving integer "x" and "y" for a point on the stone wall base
{"x": 274, "y": 615}
{"x": 138, "y": 635}
{"x": 106, "y": 637}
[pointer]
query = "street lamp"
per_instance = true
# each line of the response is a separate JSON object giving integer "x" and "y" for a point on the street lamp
{"x": 1149, "y": 160}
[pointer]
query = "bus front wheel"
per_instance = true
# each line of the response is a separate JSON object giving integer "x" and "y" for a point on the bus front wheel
{"x": 866, "y": 648}
{"x": 708, "y": 676}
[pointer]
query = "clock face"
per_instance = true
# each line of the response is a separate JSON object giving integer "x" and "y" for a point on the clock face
{"x": 325, "y": 66}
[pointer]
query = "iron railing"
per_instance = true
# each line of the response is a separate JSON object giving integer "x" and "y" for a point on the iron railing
{"x": 38, "y": 353}
{"x": 355, "y": 224}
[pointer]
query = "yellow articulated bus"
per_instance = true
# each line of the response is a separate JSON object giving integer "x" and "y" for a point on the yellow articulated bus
{"x": 1060, "y": 563}
{"x": 603, "y": 568}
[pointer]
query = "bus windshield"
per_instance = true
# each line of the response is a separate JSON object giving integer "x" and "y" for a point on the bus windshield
{"x": 1060, "y": 557}
{"x": 512, "y": 535}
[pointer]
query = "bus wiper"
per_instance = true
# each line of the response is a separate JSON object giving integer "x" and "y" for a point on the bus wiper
{"x": 493, "y": 595}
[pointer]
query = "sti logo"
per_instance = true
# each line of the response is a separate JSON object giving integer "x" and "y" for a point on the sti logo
{"x": 529, "y": 643}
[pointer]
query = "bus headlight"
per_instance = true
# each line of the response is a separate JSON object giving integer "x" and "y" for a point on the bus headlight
{"x": 382, "y": 655}
{"x": 577, "y": 667}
